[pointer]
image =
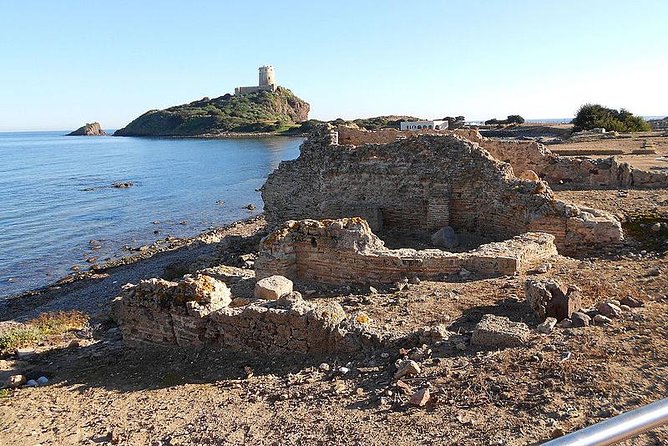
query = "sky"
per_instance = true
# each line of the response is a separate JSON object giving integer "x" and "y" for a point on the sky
{"x": 66, "y": 63}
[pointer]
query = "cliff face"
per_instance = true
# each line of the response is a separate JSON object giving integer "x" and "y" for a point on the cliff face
{"x": 92, "y": 129}
{"x": 263, "y": 111}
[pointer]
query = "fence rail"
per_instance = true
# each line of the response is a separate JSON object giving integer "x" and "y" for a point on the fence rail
{"x": 619, "y": 428}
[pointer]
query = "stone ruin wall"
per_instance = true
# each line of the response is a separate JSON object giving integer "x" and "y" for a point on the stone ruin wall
{"x": 354, "y": 136}
{"x": 424, "y": 183}
{"x": 574, "y": 171}
{"x": 156, "y": 312}
{"x": 346, "y": 251}
{"x": 527, "y": 155}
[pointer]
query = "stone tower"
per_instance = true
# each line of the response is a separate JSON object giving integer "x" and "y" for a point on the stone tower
{"x": 267, "y": 78}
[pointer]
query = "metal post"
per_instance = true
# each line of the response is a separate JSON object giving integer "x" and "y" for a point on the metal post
{"x": 616, "y": 429}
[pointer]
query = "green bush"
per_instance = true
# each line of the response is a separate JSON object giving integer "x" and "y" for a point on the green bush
{"x": 591, "y": 116}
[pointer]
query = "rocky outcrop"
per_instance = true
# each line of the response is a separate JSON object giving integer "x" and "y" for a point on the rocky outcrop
{"x": 423, "y": 183}
{"x": 92, "y": 129}
{"x": 261, "y": 111}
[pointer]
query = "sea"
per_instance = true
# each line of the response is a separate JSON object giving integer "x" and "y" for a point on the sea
{"x": 58, "y": 200}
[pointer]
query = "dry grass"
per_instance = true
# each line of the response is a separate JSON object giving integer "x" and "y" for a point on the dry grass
{"x": 39, "y": 329}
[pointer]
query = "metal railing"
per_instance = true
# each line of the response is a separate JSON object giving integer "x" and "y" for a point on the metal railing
{"x": 619, "y": 428}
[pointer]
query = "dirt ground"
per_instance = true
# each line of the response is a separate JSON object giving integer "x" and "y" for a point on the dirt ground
{"x": 624, "y": 148}
{"x": 100, "y": 392}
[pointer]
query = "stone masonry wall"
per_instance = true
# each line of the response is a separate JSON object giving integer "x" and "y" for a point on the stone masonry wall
{"x": 424, "y": 183}
{"x": 528, "y": 155}
{"x": 158, "y": 312}
{"x": 346, "y": 251}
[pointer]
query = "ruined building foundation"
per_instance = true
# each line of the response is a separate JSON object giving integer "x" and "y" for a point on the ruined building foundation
{"x": 424, "y": 183}
{"x": 345, "y": 251}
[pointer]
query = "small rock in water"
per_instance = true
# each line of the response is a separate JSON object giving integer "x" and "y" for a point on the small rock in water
{"x": 420, "y": 398}
{"x": 250, "y": 207}
{"x": 42, "y": 380}
{"x": 656, "y": 227}
{"x": 122, "y": 184}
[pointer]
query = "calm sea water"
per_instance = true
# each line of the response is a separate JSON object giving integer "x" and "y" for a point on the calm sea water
{"x": 56, "y": 195}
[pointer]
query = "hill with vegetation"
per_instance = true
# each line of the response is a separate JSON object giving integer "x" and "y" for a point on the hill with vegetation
{"x": 262, "y": 111}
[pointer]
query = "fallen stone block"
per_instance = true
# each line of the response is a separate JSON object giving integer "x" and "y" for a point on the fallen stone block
{"x": 609, "y": 309}
{"x": 420, "y": 398}
{"x": 547, "y": 326}
{"x": 273, "y": 287}
{"x": 499, "y": 331}
{"x": 580, "y": 319}
{"x": 549, "y": 298}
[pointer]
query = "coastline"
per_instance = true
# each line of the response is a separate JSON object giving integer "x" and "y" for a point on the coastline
{"x": 228, "y": 135}
{"x": 91, "y": 291}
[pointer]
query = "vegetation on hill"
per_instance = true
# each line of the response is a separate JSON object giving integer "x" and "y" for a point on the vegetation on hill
{"x": 262, "y": 111}
{"x": 511, "y": 119}
{"x": 591, "y": 116}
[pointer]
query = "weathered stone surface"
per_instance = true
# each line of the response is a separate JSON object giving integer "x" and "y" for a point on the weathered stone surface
{"x": 547, "y": 326}
{"x": 407, "y": 368}
{"x": 580, "y": 319}
{"x": 154, "y": 313}
{"x": 609, "y": 309}
{"x": 273, "y": 287}
{"x": 600, "y": 319}
{"x": 549, "y": 298}
{"x": 15, "y": 381}
{"x": 91, "y": 129}
{"x": 345, "y": 251}
{"x": 499, "y": 331}
{"x": 631, "y": 302}
{"x": 445, "y": 237}
{"x": 423, "y": 183}
{"x": 420, "y": 398}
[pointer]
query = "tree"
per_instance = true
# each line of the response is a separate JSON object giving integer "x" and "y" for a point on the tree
{"x": 515, "y": 119}
{"x": 591, "y": 116}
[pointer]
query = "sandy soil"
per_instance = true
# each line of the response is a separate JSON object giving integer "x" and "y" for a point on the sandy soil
{"x": 103, "y": 393}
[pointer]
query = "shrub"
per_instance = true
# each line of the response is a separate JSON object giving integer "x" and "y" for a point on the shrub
{"x": 36, "y": 330}
{"x": 591, "y": 116}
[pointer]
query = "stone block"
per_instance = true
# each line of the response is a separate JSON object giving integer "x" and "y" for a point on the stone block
{"x": 273, "y": 287}
{"x": 549, "y": 298}
{"x": 499, "y": 331}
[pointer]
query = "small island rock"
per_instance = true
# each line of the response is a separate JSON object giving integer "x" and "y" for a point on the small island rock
{"x": 91, "y": 129}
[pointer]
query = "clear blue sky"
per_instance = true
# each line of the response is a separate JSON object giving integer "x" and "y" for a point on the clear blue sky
{"x": 70, "y": 62}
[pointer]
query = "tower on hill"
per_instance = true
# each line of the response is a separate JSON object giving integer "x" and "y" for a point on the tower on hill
{"x": 267, "y": 81}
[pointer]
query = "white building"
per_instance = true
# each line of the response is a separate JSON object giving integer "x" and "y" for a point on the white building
{"x": 419, "y": 125}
